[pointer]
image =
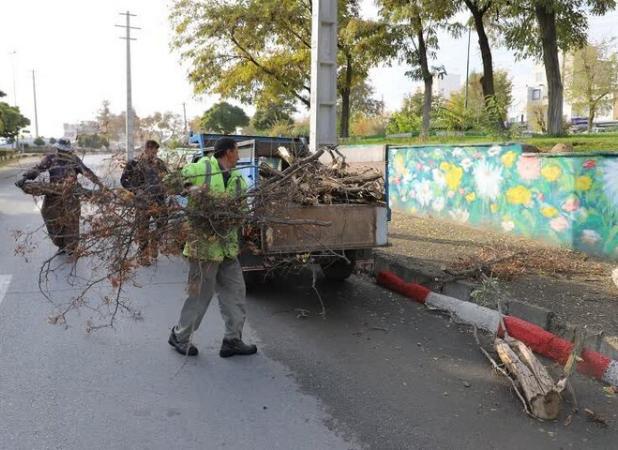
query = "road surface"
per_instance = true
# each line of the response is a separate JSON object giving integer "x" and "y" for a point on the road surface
{"x": 376, "y": 372}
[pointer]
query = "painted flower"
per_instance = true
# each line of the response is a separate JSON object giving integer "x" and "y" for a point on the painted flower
{"x": 458, "y": 152}
{"x": 529, "y": 167}
{"x": 453, "y": 177}
{"x": 493, "y": 208}
{"x": 438, "y": 178}
{"x": 508, "y": 159}
{"x": 438, "y": 204}
{"x": 445, "y": 166}
{"x": 571, "y": 204}
{"x": 466, "y": 163}
{"x": 450, "y": 194}
{"x": 508, "y": 225}
{"x": 518, "y": 195}
{"x": 494, "y": 150}
{"x": 540, "y": 197}
{"x": 610, "y": 180}
{"x": 590, "y": 237}
{"x": 551, "y": 172}
{"x": 559, "y": 224}
{"x": 399, "y": 163}
{"x": 460, "y": 215}
{"x": 488, "y": 180}
{"x": 590, "y": 164}
{"x": 424, "y": 194}
{"x": 583, "y": 183}
{"x": 549, "y": 211}
{"x": 470, "y": 197}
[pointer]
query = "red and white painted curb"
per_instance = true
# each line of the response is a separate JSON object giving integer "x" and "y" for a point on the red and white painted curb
{"x": 593, "y": 364}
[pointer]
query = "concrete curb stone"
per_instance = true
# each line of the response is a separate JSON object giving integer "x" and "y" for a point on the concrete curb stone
{"x": 415, "y": 271}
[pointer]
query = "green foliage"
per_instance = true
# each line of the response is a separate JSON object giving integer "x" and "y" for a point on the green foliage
{"x": 39, "y": 141}
{"x": 259, "y": 51}
{"x": 11, "y": 121}
{"x": 94, "y": 141}
{"x": 224, "y": 118}
{"x": 591, "y": 80}
{"x": 409, "y": 118}
{"x": 274, "y": 113}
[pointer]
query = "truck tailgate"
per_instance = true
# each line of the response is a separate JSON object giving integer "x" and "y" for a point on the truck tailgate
{"x": 352, "y": 227}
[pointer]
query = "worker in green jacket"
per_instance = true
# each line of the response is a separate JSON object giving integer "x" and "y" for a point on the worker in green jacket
{"x": 213, "y": 260}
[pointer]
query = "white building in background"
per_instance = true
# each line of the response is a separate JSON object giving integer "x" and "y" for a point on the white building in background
{"x": 537, "y": 99}
{"x": 73, "y": 130}
{"x": 446, "y": 85}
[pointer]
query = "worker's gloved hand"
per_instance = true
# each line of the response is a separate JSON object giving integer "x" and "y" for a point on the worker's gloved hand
{"x": 20, "y": 183}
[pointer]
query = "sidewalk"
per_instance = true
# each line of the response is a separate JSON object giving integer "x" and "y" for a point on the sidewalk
{"x": 555, "y": 288}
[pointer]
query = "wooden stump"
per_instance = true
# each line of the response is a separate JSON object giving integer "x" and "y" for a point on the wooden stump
{"x": 537, "y": 385}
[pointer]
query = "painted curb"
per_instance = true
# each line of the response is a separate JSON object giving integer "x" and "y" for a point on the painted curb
{"x": 428, "y": 276}
{"x": 593, "y": 364}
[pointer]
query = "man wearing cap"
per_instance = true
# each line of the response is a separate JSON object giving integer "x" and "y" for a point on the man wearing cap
{"x": 61, "y": 212}
{"x": 213, "y": 260}
{"x": 143, "y": 176}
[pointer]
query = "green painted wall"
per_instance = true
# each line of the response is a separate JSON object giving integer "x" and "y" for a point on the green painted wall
{"x": 569, "y": 199}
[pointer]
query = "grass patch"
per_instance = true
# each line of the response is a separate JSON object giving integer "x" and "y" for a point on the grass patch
{"x": 580, "y": 142}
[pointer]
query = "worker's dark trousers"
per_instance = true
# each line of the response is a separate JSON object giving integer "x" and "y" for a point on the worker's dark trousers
{"x": 147, "y": 240}
{"x": 61, "y": 214}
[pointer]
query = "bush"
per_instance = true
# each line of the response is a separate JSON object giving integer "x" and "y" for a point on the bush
{"x": 39, "y": 141}
{"x": 368, "y": 125}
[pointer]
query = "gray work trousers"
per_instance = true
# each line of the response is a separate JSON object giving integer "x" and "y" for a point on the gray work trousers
{"x": 206, "y": 277}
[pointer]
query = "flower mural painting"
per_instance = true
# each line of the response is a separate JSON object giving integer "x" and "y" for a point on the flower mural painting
{"x": 529, "y": 167}
{"x": 494, "y": 150}
{"x": 488, "y": 180}
{"x": 460, "y": 215}
{"x": 571, "y": 204}
{"x": 568, "y": 199}
{"x": 610, "y": 181}
{"x": 559, "y": 224}
{"x": 590, "y": 237}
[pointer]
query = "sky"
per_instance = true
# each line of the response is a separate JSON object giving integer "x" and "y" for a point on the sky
{"x": 79, "y": 61}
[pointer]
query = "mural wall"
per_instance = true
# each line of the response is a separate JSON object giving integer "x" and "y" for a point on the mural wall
{"x": 570, "y": 200}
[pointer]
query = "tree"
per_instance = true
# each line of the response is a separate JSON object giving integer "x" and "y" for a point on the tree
{"x": 224, "y": 118}
{"x": 591, "y": 80}
{"x": 104, "y": 119}
{"x": 267, "y": 116}
{"x": 94, "y": 141}
{"x": 163, "y": 127}
{"x": 11, "y": 121}
{"x": 557, "y": 25}
{"x": 414, "y": 30}
{"x": 259, "y": 51}
{"x": 39, "y": 141}
{"x": 52, "y": 141}
{"x": 480, "y": 10}
{"x": 410, "y": 117}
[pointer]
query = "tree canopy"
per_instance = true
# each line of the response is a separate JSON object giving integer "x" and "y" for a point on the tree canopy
{"x": 11, "y": 121}
{"x": 224, "y": 118}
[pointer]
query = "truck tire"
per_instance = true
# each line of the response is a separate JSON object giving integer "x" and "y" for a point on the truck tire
{"x": 339, "y": 269}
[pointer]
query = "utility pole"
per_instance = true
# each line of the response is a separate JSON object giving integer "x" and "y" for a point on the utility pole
{"x": 13, "y": 53}
{"x": 129, "y": 116}
{"x": 467, "y": 68}
{"x": 36, "y": 116}
{"x": 184, "y": 114}
{"x": 323, "y": 122}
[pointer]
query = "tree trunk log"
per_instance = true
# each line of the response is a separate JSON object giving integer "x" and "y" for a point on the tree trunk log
{"x": 546, "y": 18}
{"x": 537, "y": 386}
{"x": 427, "y": 78}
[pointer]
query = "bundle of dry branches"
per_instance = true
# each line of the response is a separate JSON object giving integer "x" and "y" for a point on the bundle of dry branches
{"x": 109, "y": 227}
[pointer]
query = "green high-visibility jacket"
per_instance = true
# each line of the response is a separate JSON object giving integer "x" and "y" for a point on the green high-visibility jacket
{"x": 213, "y": 247}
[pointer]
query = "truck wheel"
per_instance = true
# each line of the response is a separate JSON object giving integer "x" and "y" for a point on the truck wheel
{"x": 339, "y": 269}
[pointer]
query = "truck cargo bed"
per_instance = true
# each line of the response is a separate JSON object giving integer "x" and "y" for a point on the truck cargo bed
{"x": 351, "y": 227}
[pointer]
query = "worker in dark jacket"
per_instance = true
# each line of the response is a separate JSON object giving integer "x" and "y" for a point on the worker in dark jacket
{"x": 144, "y": 177}
{"x": 61, "y": 212}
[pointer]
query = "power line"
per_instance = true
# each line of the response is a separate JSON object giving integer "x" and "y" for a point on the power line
{"x": 129, "y": 114}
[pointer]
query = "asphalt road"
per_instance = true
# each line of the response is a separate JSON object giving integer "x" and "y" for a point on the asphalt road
{"x": 376, "y": 372}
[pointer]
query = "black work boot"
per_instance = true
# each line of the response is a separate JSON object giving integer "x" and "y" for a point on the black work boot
{"x": 231, "y": 347}
{"x": 184, "y": 348}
